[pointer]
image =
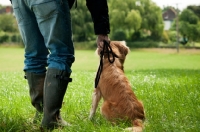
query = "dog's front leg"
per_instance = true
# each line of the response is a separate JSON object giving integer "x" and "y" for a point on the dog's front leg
{"x": 96, "y": 97}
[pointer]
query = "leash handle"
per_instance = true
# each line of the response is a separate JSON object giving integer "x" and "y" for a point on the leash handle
{"x": 109, "y": 50}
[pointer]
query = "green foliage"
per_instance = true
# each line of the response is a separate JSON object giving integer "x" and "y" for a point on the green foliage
{"x": 165, "y": 37}
{"x": 152, "y": 19}
{"x": 172, "y": 35}
{"x": 119, "y": 35}
{"x": 143, "y": 44}
{"x": 189, "y": 25}
{"x": 127, "y": 21}
{"x": 82, "y": 25}
{"x": 131, "y": 18}
{"x": 136, "y": 36}
{"x": 189, "y": 17}
{"x": 85, "y": 45}
{"x": 195, "y": 9}
{"x": 8, "y": 29}
{"x": 125, "y": 18}
{"x": 7, "y": 23}
{"x": 15, "y": 38}
{"x": 4, "y": 37}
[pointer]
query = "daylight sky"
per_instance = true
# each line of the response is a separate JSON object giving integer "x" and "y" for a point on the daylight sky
{"x": 181, "y": 3}
{"x": 5, "y": 2}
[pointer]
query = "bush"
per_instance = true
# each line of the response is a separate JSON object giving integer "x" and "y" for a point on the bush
{"x": 85, "y": 45}
{"x": 8, "y": 23}
{"x": 15, "y": 38}
{"x": 137, "y": 44}
{"x": 165, "y": 37}
{"x": 4, "y": 37}
{"x": 143, "y": 44}
{"x": 136, "y": 36}
{"x": 172, "y": 36}
{"x": 119, "y": 35}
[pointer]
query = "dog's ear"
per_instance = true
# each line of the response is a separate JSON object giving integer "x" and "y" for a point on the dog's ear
{"x": 125, "y": 49}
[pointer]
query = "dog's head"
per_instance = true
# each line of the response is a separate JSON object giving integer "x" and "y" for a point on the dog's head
{"x": 120, "y": 50}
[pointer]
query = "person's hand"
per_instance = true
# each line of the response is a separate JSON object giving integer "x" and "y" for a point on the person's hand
{"x": 100, "y": 39}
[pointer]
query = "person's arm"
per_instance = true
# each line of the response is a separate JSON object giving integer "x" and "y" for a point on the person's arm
{"x": 100, "y": 17}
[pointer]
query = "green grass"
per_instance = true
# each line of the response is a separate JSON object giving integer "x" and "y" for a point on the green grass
{"x": 167, "y": 83}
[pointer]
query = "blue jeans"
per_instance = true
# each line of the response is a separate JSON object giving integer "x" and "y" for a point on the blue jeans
{"x": 45, "y": 27}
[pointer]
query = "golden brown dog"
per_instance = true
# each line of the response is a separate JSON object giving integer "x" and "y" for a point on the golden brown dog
{"x": 119, "y": 100}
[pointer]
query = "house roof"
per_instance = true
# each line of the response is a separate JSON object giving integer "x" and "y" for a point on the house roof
{"x": 169, "y": 14}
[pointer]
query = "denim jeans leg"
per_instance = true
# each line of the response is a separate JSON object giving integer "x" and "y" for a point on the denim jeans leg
{"x": 55, "y": 25}
{"x": 35, "y": 49}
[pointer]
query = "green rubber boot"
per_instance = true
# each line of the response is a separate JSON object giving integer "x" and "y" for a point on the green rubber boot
{"x": 56, "y": 83}
{"x": 36, "y": 86}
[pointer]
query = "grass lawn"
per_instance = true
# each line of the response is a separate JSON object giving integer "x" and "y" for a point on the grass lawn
{"x": 167, "y": 83}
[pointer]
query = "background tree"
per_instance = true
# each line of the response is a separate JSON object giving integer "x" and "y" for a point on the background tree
{"x": 195, "y": 9}
{"x": 82, "y": 25}
{"x": 136, "y": 18}
{"x": 8, "y": 23}
{"x": 152, "y": 19}
{"x": 130, "y": 20}
{"x": 118, "y": 12}
{"x": 189, "y": 25}
{"x": 8, "y": 29}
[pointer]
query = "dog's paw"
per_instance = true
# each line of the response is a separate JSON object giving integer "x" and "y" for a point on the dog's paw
{"x": 91, "y": 115}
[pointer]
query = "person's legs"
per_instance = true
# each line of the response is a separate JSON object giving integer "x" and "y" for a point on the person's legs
{"x": 55, "y": 25}
{"x": 47, "y": 22}
{"x": 35, "y": 53}
{"x": 35, "y": 49}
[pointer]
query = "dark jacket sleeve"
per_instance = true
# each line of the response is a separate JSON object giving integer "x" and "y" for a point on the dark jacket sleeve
{"x": 100, "y": 17}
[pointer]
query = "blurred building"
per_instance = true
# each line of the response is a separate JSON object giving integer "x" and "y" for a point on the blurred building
{"x": 168, "y": 16}
{"x": 6, "y": 10}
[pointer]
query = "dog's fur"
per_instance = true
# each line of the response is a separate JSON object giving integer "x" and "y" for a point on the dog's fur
{"x": 120, "y": 101}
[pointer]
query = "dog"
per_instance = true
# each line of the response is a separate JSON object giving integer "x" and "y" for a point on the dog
{"x": 119, "y": 101}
